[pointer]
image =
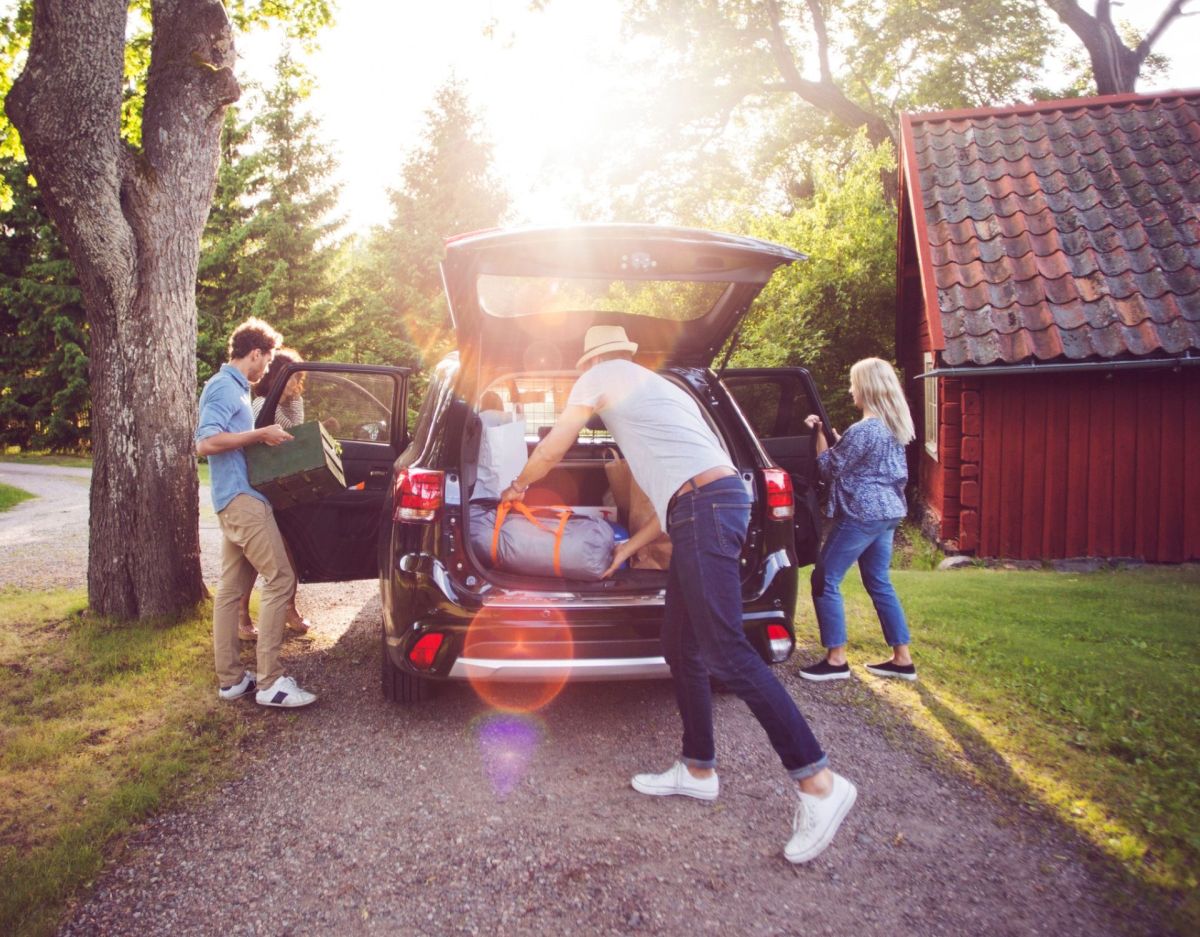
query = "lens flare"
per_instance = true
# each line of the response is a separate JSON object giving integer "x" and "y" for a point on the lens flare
{"x": 494, "y": 639}
{"x": 506, "y": 747}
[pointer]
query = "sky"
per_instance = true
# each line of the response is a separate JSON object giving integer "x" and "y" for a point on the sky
{"x": 538, "y": 80}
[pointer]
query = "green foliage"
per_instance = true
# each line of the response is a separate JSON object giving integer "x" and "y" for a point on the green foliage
{"x": 837, "y": 307}
{"x": 14, "y": 39}
{"x": 295, "y": 248}
{"x": 911, "y": 55}
{"x": 44, "y": 397}
{"x": 225, "y": 285}
{"x": 269, "y": 248}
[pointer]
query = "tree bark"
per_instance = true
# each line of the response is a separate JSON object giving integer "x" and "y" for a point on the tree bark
{"x": 132, "y": 222}
{"x": 825, "y": 95}
{"x": 1114, "y": 65}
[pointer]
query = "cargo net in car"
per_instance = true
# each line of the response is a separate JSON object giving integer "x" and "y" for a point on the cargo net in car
{"x": 540, "y": 400}
{"x": 570, "y": 520}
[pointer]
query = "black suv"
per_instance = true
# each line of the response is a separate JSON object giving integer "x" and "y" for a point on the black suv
{"x": 521, "y": 301}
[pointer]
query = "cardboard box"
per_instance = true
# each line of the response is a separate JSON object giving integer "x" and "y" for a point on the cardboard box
{"x": 306, "y": 469}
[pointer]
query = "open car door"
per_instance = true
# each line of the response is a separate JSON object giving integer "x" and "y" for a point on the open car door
{"x": 775, "y": 401}
{"x": 363, "y": 408}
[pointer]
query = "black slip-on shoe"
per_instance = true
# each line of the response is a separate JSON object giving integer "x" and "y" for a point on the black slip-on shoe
{"x": 890, "y": 669}
{"x": 824, "y": 670}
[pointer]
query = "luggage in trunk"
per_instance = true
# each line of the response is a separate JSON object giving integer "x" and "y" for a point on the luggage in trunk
{"x": 545, "y": 541}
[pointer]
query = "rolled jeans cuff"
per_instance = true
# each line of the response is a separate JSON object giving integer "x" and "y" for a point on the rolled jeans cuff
{"x": 699, "y": 762}
{"x": 799, "y": 774}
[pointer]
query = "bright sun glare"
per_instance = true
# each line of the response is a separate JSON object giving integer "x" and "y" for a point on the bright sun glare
{"x": 538, "y": 82}
{"x": 543, "y": 83}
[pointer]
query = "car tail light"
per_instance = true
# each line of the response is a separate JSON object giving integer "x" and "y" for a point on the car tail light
{"x": 422, "y": 653}
{"x": 417, "y": 495}
{"x": 780, "y": 641}
{"x": 781, "y": 504}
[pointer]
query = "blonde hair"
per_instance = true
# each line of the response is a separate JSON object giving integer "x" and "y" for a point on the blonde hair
{"x": 879, "y": 391}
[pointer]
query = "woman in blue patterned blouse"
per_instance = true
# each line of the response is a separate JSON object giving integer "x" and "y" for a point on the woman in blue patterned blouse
{"x": 866, "y": 473}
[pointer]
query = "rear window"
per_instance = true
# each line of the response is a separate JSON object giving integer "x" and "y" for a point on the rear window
{"x": 510, "y": 297}
{"x": 540, "y": 399}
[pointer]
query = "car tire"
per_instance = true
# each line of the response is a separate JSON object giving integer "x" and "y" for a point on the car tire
{"x": 398, "y": 686}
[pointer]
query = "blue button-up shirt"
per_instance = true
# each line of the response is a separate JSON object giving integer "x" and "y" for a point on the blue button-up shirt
{"x": 225, "y": 408}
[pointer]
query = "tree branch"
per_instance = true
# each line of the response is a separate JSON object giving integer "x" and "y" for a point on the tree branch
{"x": 1172, "y": 11}
{"x": 824, "y": 95}
{"x": 818, "y": 19}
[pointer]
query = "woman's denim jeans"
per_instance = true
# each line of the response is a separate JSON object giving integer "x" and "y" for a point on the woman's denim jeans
{"x": 869, "y": 542}
{"x": 703, "y": 631}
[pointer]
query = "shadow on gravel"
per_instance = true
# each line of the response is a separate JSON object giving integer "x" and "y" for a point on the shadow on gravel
{"x": 1126, "y": 890}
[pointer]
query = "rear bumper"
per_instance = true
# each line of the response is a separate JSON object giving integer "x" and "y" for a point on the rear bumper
{"x": 522, "y": 671}
{"x": 530, "y": 637}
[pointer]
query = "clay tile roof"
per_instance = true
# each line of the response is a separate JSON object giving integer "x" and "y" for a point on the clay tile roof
{"x": 1066, "y": 229}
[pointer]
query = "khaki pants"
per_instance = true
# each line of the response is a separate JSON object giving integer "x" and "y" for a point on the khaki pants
{"x": 252, "y": 547}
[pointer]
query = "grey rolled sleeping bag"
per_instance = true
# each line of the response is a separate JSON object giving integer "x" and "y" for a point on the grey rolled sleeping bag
{"x": 528, "y": 548}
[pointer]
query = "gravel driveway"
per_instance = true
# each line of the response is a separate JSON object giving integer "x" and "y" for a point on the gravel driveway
{"x": 453, "y": 818}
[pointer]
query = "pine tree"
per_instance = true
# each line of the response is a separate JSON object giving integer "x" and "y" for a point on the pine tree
{"x": 296, "y": 247}
{"x": 447, "y": 187}
{"x": 225, "y": 284}
{"x": 44, "y": 397}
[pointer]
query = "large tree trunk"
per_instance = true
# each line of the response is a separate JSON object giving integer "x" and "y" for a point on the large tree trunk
{"x": 1115, "y": 66}
{"x": 132, "y": 223}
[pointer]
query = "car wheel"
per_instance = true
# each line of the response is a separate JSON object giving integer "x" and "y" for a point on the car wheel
{"x": 398, "y": 686}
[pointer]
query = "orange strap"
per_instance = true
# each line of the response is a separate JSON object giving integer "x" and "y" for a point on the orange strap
{"x": 558, "y": 535}
{"x": 502, "y": 512}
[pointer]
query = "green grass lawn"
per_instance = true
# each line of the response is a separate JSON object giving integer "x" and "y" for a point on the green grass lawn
{"x": 10, "y": 496}
{"x": 14, "y": 454}
{"x": 1077, "y": 691}
{"x": 99, "y": 726}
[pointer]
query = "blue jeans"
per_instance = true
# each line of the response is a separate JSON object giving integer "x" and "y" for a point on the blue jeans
{"x": 870, "y": 543}
{"x": 703, "y": 632}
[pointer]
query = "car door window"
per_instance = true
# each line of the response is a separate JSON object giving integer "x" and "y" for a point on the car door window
{"x": 775, "y": 407}
{"x": 350, "y": 406}
{"x": 334, "y": 537}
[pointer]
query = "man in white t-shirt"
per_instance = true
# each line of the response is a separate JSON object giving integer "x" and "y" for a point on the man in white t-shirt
{"x": 701, "y": 501}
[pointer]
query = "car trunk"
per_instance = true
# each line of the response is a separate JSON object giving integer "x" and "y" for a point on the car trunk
{"x": 521, "y": 302}
{"x": 580, "y": 481}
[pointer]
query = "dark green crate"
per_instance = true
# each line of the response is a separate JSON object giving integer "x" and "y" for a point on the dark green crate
{"x": 305, "y": 469}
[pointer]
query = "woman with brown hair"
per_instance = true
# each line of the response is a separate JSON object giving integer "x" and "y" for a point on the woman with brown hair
{"x": 289, "y": 412}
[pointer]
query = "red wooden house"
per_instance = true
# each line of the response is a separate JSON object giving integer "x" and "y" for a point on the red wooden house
{"x": 1049, "y": 284}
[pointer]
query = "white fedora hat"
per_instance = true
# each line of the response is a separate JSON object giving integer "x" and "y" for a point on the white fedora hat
{"x": 601, "y": 339}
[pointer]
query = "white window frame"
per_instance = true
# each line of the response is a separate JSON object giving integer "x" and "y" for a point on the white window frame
{"x": 931, "y": 407}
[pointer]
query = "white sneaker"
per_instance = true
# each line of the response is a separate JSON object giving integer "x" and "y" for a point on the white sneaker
{"x": 285, "y": 694}
{"x": 239, "y": 689}
{"x": 817, "y": 820}
{"x": 677, "y": 780}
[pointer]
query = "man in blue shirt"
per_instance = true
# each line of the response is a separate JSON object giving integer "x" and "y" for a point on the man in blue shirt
{"x": 252, "y": 544}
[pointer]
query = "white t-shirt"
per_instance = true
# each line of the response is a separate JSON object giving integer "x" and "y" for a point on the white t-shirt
{"x": 658, "y": 426}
